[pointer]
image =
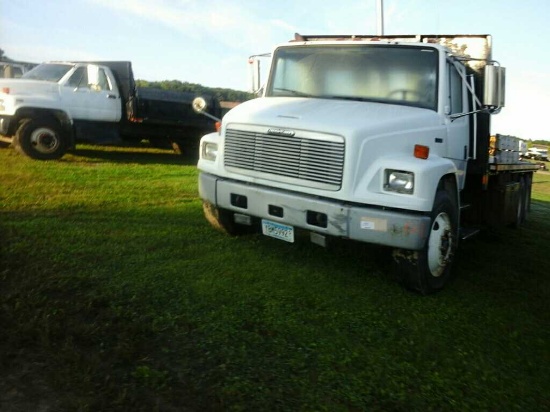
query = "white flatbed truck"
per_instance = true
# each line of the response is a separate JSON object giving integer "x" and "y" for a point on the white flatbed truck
{"x": 380, "y": 139}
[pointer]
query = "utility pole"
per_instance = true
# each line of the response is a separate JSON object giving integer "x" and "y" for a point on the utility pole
{"x": 380, "y": 17}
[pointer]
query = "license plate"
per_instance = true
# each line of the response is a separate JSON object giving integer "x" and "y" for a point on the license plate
{"x": 278, "y": 230}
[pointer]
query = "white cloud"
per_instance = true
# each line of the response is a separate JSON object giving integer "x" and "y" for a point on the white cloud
{"x": 284, "y": 25}
{"x": 28, "y": 53}
{"x": 527, "y": 95}
{"x": 228, "y": 23}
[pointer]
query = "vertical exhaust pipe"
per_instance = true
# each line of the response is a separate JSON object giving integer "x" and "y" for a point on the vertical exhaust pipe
{"x": 380, "y": 17}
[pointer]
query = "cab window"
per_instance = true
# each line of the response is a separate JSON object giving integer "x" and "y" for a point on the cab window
{"x": 79, "y": 78}
{"x": 455, "y": 89}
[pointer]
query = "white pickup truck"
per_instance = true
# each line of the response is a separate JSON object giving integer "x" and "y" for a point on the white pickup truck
{"x": 536, "y": 153}
{"x": 55, "y": 104}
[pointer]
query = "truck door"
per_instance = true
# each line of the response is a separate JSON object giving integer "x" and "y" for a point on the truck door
{"x": 458, "y": 129}
{"x": 91, "y": 94}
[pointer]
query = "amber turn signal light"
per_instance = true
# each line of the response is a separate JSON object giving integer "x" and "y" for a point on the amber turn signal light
{"x": 421, "y": 152}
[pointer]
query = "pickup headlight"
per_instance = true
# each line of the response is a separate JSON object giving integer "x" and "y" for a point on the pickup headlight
{"x": 2, "y": 107}
{"x": 209, "y": 151}
{"x": 399, "y": 181}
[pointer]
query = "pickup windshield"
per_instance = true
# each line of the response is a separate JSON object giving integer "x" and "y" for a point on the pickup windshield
{"x": 388, "y": 74}
{"x": 50, "y": 72}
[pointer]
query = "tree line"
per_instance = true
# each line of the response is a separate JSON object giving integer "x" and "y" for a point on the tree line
{"x": 221, "y": 94}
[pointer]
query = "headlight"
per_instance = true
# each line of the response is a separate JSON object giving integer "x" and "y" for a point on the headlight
{"x": 399, "y": 181}
{"x": 209, "y": 151}
{"x": 2, "y": 107}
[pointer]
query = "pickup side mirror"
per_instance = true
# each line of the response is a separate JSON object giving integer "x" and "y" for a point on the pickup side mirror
{"x": 200, "y": 106}
{"x": 494, "y": 92}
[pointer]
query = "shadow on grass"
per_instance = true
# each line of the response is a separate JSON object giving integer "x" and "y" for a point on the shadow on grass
{"x": 154, "y": 336}
{"x": 129, "y": 154}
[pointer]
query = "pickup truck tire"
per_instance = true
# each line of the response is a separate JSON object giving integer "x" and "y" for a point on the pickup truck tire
{"x": 429, "y": 269}
{"x": 222, "y": 220}
{"x": 40, "y": 139}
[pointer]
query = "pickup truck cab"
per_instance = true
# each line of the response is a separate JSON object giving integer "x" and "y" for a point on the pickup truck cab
{"x": 52, "y": 98}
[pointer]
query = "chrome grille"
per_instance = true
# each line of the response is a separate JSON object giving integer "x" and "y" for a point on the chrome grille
{"x": 319, "y": 162}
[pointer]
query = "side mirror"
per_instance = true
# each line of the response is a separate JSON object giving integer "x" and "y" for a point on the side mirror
{"x": 199, "y": 106}
{"x": 495, "y": 79}
{"x": 254, "y": 65}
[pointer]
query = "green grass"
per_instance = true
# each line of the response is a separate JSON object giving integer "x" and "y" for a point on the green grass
{"x": 115, "y": 294}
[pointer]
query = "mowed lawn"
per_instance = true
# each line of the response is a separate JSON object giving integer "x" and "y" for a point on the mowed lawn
{"x": 116, "y": 295}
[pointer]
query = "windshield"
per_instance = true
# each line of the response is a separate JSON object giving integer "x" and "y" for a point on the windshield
{"x": 51, "y": 72}
{"x": 387, "y": 74}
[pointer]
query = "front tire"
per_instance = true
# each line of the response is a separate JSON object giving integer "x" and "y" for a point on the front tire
{"x": 40, "y": 139}
{"x": 429, "y": 269}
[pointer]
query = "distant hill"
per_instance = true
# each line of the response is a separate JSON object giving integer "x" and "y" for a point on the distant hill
{"x": 221, "y": 94}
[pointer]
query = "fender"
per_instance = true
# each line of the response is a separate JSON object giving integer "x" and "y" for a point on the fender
{"x": 60, "y": 116}
{"x": 427, "y": 175}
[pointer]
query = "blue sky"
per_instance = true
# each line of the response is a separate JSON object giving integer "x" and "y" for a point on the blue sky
{"x": 209, "y": 41}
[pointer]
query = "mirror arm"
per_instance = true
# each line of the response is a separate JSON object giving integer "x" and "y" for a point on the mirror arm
{"x": 211, "y": 116}
{"x": 453, "y": 117}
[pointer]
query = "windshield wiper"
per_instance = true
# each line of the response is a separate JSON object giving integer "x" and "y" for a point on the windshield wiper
{"x": 335, "y": 96}
{"x": 293, "y": 92}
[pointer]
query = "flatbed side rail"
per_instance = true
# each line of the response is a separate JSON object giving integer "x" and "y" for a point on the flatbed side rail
{"x": 516, "y": 167}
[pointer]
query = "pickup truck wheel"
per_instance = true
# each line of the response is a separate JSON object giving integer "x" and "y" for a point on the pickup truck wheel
{"x": 40, "y": 139}
{"x": 222, "y": 220}
{"x": 428, "y": 270}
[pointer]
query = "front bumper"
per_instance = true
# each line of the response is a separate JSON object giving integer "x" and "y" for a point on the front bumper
{"x": 363, "y": 223}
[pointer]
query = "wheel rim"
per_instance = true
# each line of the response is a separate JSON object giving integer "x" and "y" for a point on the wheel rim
{"x": 440, "y": 245}
{"x": 44, "y": 140}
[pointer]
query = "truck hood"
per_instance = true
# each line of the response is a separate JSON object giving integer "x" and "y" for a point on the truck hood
{"x": 340, "y": 117}
{"x": 21, "y": 87}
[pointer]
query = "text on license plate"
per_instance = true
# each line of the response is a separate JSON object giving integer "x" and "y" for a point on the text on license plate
{"x": 278, "y": 230}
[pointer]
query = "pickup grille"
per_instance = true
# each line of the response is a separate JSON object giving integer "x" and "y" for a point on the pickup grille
{"x": 315, "y": 162}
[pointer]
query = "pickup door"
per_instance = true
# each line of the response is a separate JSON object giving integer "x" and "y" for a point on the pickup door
{"x": 91, "y": 94}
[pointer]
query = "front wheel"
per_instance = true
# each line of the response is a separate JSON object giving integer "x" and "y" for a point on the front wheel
{"x": 40, "y": 139}
{"x": 429, "y": 269}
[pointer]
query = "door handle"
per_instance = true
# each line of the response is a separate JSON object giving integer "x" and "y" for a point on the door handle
{"x": 111, "y": 96}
